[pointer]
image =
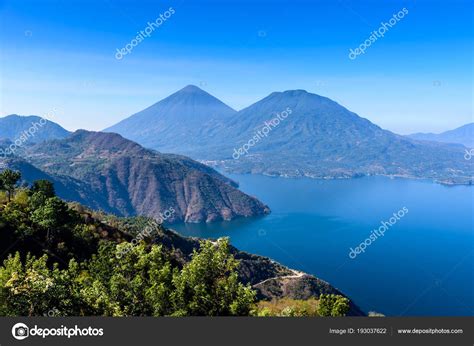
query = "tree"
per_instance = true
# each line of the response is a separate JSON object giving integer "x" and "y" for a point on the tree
{"x": 140, "y": 283}
{"x": 333, "y": 305}
{"x": 208, "y": 285}
{"x": 37, "y": 199}
{"x": 53, "y": 214}
{"x": 33, "y": 289}
{"x": 24, "y": 287}
{"x": 44, "y": 186}
{"x": 8, "y": 181}
{"x": 100, "y": 274}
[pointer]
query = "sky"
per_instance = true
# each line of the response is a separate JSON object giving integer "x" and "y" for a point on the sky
{"x": 60, "y": 57}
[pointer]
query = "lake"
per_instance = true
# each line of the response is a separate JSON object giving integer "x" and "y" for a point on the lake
{"x": 422, "y": 265}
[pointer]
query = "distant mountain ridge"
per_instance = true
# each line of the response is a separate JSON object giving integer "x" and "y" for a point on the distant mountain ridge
{"x": 33, "y": 128}
{"x": 462, "y": 135}
{"x": 68, "y": 188}
{"x": 106, "y": 171}
{"x": 319, "y": 139}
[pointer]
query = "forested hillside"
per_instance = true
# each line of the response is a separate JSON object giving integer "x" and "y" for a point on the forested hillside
{"x": 65, "y": 260}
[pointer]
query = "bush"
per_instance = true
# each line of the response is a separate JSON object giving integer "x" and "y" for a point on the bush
{"x": 333, "y": 305}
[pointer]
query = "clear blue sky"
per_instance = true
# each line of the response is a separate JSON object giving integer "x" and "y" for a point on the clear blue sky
{"x": 61, "y": 54}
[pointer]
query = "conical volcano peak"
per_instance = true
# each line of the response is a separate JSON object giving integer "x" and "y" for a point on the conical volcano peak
{"x": 300, "y": 96}
{"x": 297, "y": 92}
{"x": 192, "y": 88}
{"x": 195, "y": 95}
{"x": 188, "y": 113}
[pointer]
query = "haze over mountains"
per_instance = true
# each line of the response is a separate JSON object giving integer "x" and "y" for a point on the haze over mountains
{"x": 319, "y": 139}
{"x": 462, "y": 135}
{"x": 105, "y": 171}
{"x": 316, "y": 138}
{"x": 177, "y": 121}
{"x": 13, "y": 126}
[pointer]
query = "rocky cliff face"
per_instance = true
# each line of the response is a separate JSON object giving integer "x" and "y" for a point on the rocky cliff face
{"x": 120, "y": 176}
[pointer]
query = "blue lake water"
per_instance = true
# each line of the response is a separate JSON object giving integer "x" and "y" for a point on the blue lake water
{"x": 423, "y": 265}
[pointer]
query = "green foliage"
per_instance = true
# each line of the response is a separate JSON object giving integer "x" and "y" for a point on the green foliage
{"x": 139, "y": 284}
{"x": 14, "y": 219}
{"x": 286, "y": 307}
{"x": 33, "y": 222}
{"x": 44, "y": 186}
{"x": 30, "y": 289}
{"x": 333, "y": 305}
{"x": 78, "y": 262}
{"x": 8, "y": 181}
{"x": 37, "y": 199}
{"x": 142, "y": 282}
{"x": 208, "y": 285}
{"x": 327, "y": 305}
{"x": 52, "y": 215}
{"x": 97, "y": 276}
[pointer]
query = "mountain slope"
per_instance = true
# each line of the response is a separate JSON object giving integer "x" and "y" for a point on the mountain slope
{"x": 462, "y": 135}
{"x": 85, "y": 235}
{"x": 66, "y": 187}
{"x": 313, "y": 137}
{"x": 36, "y": 129}
{"x": 270, "y": 279}
{"x": 131, "y": 180}
{"x": 175, "y": 122}
{"x": 320, "y": 138}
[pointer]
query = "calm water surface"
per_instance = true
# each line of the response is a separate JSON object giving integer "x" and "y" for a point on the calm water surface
{"x": 423, "y": 265}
